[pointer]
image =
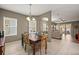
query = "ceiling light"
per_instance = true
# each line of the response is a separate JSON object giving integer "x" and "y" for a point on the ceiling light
{"x": 45, "y": 19}
{"x": 33, "y": 19}
{"x": 28, "y": 18}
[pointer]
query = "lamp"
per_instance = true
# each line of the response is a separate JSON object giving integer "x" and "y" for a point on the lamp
{"x": 30, "y": 15}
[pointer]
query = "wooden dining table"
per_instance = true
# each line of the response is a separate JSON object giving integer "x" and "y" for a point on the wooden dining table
{"x": 35, "y": 41}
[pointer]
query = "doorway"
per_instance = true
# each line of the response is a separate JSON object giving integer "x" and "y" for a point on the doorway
{"x": 66, "y": 31}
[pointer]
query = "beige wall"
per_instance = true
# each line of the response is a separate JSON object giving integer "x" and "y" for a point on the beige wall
{"x": 48, "y": 15}
{"x": 1, "y": 22}
{"x": 21, "y": 23}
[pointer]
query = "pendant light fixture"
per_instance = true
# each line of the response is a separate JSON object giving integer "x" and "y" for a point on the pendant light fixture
{"x": 30, "y": 18}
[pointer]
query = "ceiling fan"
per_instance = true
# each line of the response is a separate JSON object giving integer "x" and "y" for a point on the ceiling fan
{"x": 62, "y": 20}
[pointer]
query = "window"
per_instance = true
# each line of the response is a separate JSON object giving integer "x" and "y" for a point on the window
{"x": 45, "y": 27}
{"x": 10, "y": 26}
{"x": 45, "y": 24}
{"x": 32, "y": 26}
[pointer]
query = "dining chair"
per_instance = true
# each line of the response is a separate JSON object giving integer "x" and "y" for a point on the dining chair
{"x": 26, "y": 40}
{"x": 27, "y": 43}
{"x": 43, "y": 38}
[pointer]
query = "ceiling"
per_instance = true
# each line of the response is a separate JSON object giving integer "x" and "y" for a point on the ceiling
{"x": 63, "y": 11}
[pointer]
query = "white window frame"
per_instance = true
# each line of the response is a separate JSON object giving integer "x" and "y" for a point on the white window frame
{"x": 45, "y": 21}
{"x": 35, "y": 28}
{"x": 45, "y": 26}
{"x": 8, "y": 18}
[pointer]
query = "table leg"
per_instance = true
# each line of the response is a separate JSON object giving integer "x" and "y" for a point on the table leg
{"x": 40, "y": 48}
{"x": 33, "y": 49}
{"x": 1, "y": 51}
{"x": 22, "y": 41}
{"x": 45, "y": 46}
{"x": 4, "y": 50}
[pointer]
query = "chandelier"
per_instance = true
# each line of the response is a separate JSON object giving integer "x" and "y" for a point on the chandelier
{"x": 30, "y": 18}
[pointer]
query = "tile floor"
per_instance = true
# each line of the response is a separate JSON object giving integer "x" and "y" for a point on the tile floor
{"x": 65, "y": 46}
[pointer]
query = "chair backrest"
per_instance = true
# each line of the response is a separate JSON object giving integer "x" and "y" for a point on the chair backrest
{"x": 43, "y": 39}
{"x": 26, "y": 37}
